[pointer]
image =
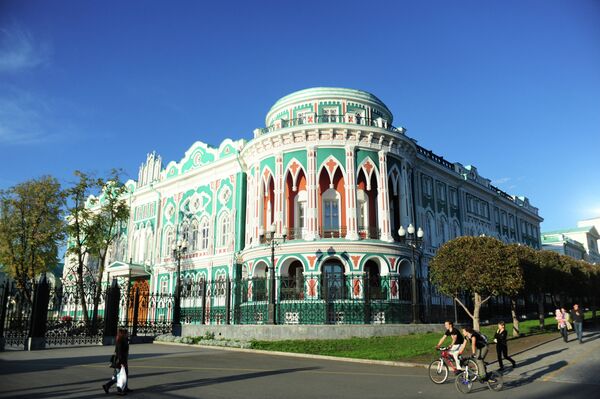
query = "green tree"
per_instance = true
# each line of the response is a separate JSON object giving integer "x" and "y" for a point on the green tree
{"x": 31, "y": 229}
{"x": 110, "y": 213}
{"x": 523, "y": 257}
{"x": 93, "y": 225}
{"x": 477, "y": 267}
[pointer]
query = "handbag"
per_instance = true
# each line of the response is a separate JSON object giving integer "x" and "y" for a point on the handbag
{"x": 122, "y": 378}
{"x": 569, "y": 326}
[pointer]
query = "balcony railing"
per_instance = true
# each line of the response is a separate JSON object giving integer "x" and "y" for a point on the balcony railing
{"x": 341, "y": 119}
{"x": 338, "y": 232}
{"x": 369, "y": 233}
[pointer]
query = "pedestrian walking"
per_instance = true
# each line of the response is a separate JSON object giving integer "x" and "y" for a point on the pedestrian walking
{"x": 578, "y": 317}
{"x": 120, "y": 362}
{"x": 502, "y": 346}
{"x": 561, "y": 322}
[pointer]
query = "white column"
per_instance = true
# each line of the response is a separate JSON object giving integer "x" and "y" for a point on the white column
{"x": 405, "y": 195}
{"x": 384, "y": 198}
{"x": 278, "y": 215}
{"x": 351, "y": 216}
{"x": 311, "y": 191}
{"x": 256, "y": 194}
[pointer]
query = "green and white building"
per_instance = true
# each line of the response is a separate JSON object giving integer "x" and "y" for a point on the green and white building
{"x": 332, "y": 174}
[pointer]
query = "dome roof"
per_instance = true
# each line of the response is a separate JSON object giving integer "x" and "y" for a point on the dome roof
{"x": 328, "y": 93}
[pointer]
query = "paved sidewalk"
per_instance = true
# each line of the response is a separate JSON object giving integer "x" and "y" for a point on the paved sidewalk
{"x": 552, "y": 370}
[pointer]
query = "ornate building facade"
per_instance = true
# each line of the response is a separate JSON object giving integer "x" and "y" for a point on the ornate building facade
{"x": 332, "y": 181}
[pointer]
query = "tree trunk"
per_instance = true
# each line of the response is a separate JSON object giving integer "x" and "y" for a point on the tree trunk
{"x": 515, "y": 317}
{"x": 542, "y": 309}
{"x": 86, "y": 317}
{"x": 97, "y": 297}
{"x": 476, "y": 309}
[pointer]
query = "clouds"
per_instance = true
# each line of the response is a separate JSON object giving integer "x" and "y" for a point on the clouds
{"x": 19, "y": 51}
{"x": 25, "y": 118}
{"x": 25, "y": 115}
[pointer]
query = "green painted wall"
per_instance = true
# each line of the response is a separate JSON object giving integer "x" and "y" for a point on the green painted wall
{"x": 337, "y": 153}
{"x": 300, "y": 155}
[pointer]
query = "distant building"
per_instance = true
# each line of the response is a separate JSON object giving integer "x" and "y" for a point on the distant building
{"x": 563, "y": 245}
{"x": 585, "y": 237}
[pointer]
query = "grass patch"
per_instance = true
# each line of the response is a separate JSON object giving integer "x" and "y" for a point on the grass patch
{"x": 393, "y": 348}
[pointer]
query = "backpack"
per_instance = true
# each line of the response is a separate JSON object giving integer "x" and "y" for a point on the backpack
{"x": 483, "y": 337}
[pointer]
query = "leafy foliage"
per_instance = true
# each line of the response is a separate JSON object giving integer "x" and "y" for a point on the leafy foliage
{"x": 31, "y": 228}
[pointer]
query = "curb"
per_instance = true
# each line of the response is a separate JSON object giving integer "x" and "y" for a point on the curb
{"x": 301, "y": 355}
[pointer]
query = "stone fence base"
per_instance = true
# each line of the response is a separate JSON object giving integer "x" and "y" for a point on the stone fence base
{"x": 282, "y": 332}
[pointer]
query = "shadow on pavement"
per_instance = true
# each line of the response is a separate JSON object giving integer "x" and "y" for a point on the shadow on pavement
{"x": 160, "y": 390}
{"x": 77, "y": 387}
{"x": 534, "y": 374}
{"x": 28, "y": 365}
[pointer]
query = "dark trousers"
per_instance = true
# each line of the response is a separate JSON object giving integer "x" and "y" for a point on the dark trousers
{"x": 502, "y": 351}
{"x": 564, "y": 333}
{"x": 113, "y": 379}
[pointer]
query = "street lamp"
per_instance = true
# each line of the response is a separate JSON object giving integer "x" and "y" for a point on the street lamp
{"x": 273, "y": 242}
{"x": 415, "y": 241}
{"x": 179, "y": 248}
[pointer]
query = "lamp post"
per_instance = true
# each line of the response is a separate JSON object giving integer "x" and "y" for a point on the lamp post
{"x": 415, "y": 241}
{"x": 273, "y": 242}
{"x": 179, "y": 248}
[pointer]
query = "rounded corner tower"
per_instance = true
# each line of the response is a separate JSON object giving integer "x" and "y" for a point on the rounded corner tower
{"x": 328, "y": 101}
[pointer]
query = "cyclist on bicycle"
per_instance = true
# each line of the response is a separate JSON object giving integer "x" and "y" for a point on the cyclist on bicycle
{"x": 479, "y": 349}
{"x": 457, "y": 342}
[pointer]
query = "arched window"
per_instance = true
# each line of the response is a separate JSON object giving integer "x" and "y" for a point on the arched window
{"x": 169, "y": 241}
{"x": 333, "y": 281}
{"x": 373, "y": 280}
{"x": 331, "y": 210}
{"x": 363, "y": 209}
{"x": 259, "y": 282}
{"x": 224, "y": 230}
{"x": 300, "y": 211}
{"x": 194, "y": 236}
{"x": 204, "y": 233}
{"x": 292, "y": 285}
{"x": 135, "y": 246}
{"x": 149, "y": 246}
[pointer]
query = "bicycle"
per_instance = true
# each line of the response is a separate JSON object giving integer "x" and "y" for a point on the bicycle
{"x": 464, "y": 381}
{"x": 439, "y": 368}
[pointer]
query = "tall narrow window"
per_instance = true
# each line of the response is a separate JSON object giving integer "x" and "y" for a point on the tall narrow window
{"x": 204, "y": 234}
{"x": 300, "y": 212}
{"x": 331, "y": 211}
{"x": 225, "y": 229}
{"x": 363, "y": 210}
{"x": 194, "y": 236}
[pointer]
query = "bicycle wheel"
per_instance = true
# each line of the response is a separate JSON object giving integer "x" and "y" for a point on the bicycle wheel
{"x": 438, "y": 371}
{"x": 462, "y": 383}
{"x": 495, "y": 381}
{"x": 473, "y": 369}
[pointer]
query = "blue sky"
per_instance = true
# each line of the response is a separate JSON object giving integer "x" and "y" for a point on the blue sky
{"x": 512, "y": 87}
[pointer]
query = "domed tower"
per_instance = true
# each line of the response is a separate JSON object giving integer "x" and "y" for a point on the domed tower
{"x": 331, "y": 174}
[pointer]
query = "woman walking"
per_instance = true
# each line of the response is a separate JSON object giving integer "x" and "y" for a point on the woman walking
{"x": 562, "y": 324}
{"x": 121, "y": 356}
{"x": 502, "y": 346}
